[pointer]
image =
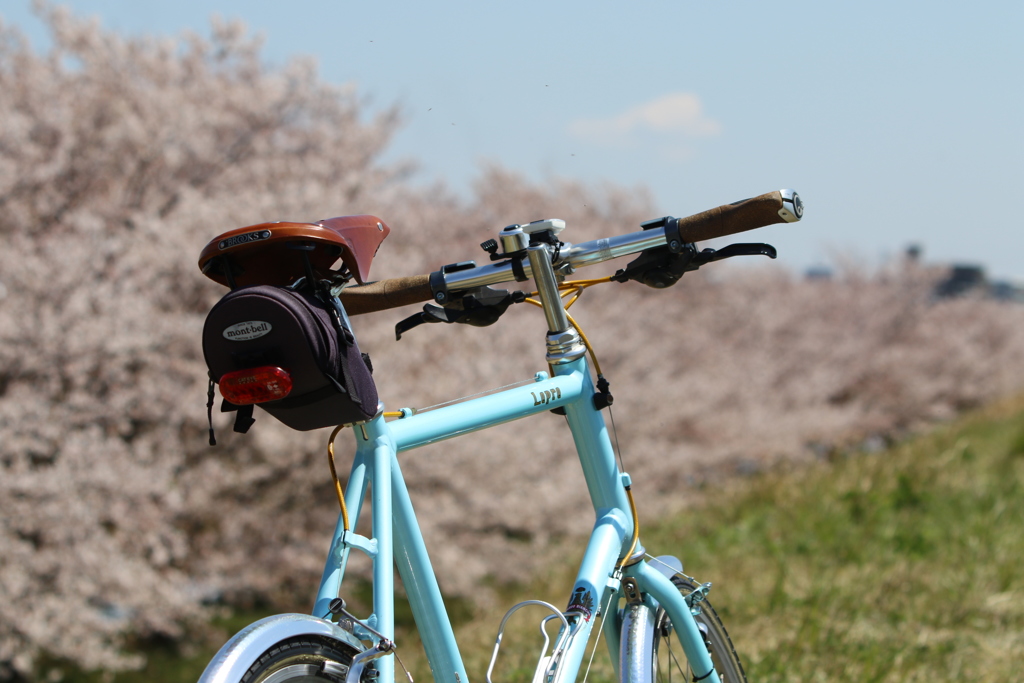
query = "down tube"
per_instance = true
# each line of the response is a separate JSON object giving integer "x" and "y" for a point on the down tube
{"x": 594, "y": 587}
{"x": 614, "y": 524}
{"x": 421, "y": 587}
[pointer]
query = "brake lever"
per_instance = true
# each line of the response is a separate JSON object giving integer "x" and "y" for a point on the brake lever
{"x": 740, "y": 249}
{"x": 479, "y": 307}
{"x": 662, "y": 267}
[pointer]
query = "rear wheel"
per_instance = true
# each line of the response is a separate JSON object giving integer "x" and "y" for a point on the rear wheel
{"x": 670, "y": 663}
{"x": 300, "y": 660}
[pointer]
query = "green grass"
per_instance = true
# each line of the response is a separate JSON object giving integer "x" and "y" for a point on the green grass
{"x": 898, "y": 566}
{"x": 903, "y": 565}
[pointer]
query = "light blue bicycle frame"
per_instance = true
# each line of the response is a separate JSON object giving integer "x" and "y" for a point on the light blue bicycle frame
{"x": 603, "y": 582}
{"x": 397, "y": 538}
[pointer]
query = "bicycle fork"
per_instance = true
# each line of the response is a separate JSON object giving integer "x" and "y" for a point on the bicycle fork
{"x": 645, "y": 589}
{"x": 631, "y": 632}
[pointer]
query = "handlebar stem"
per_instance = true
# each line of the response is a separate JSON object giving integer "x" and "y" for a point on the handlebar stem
{"x": 547, "y": 288}
{"x": 564, "y": 344}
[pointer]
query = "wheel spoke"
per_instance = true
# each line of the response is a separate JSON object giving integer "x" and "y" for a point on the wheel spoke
{"x": 674, "y": 660}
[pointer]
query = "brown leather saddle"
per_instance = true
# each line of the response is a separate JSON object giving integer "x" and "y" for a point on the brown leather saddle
{"x": 280, "y": 253}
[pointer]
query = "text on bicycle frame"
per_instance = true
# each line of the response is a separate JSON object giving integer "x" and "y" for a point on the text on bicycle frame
{"x": 546, "y": 396}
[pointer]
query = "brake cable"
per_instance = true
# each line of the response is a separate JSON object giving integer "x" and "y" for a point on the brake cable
{"x": 334, "y": 476}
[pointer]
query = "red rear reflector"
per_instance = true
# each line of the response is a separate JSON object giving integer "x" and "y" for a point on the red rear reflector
{"x": 255, "y": 385}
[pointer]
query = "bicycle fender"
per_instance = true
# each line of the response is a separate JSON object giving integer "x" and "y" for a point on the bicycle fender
{"x": 667, "y": 565}
{"x": 241, "y": 652}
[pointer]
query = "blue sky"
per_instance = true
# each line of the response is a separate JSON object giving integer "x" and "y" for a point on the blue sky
{"x": 898, "y": 122}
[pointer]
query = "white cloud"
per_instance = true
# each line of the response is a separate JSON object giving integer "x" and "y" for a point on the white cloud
{"x": 675, "y": 114}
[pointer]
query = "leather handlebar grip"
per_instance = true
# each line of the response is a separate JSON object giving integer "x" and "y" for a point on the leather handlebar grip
{"x": 781, "y": 206}
{"x": 385, "y": 294}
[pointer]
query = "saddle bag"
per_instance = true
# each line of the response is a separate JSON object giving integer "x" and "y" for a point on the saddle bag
{"x": 291, "y": 351}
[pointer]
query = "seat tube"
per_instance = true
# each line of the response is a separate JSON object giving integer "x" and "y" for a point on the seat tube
{"x": 381, "y": 514}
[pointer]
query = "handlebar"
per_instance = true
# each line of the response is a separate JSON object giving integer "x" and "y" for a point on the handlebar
{"x": 385, "y": 294}
{"x": 782, "y": 206}
{"x": 729, "y": 219}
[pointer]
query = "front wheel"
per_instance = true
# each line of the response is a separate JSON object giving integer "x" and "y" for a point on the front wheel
{"x": 300, "y": 660}
{"x": 668, "y": 659}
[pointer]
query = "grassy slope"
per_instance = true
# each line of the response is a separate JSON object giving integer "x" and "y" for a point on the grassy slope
{"x": 902, "y": 565}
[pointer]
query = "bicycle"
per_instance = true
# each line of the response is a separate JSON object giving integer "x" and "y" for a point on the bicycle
{"x": 647, "y": 606}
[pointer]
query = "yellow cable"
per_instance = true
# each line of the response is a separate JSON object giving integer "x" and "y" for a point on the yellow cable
{"x": 636, "y": 528}
{"x": 586, "y": 342}
{"x": 574, "y": 298}
{"x": 578, "y": 285}
{"x": 334, "y": 476}
{"x": 585, "y": 283}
